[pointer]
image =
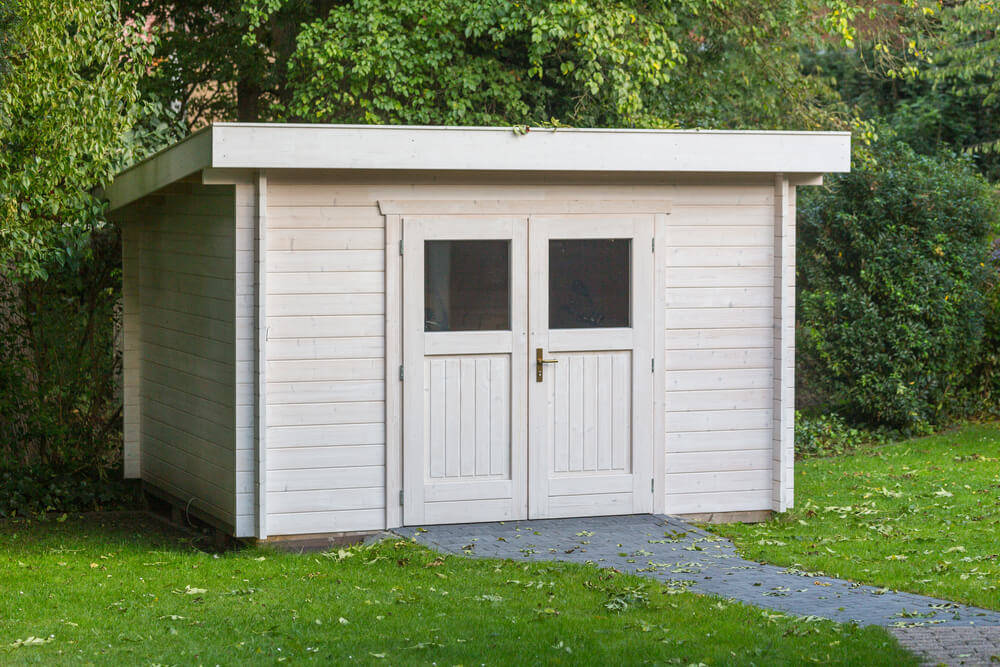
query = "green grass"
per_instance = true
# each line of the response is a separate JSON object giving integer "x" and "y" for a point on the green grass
{"x": 125, "y": 590}
{"x": 921, "y": 515}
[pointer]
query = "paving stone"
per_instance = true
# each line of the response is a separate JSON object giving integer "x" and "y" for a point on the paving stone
{"x": 973, "y": 646}
{"x": 670, "y": 550}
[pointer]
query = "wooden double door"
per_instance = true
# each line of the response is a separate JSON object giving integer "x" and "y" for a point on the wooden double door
{"x": 527, "y": 378}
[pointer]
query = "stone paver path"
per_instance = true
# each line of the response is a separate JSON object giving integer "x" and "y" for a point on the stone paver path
{"x": 973, "y": 646}
{"x": 680, "y": 554}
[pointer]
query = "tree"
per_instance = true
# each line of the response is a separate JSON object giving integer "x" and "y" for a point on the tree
{"x": 68, "y": 104}
{"x": 68, "y": 97}
{"x": 211, "y": 65}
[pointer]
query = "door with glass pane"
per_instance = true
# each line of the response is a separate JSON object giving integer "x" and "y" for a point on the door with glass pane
{"x": 465, "y": 368}
{"x": 590, "y": 348}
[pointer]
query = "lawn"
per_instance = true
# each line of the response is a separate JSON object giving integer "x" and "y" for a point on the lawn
{"x": 920, "y": 515}
{"x": 125, "y": 590}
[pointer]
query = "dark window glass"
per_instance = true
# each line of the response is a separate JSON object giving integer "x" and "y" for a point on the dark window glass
{"x": 466, "y": 285}
{"x": 589, "y": 285}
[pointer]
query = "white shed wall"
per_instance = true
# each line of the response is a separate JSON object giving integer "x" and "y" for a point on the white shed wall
{"x": 180, "y": 346}
{"x": 325, "y": 368}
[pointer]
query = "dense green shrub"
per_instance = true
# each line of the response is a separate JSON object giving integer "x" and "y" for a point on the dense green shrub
{"x": 34, "y": 489}
{"x": 892, "y": 279}
{"x": 829, "y": 434}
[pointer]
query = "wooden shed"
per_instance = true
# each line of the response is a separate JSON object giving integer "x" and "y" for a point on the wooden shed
{"x": 339, "y": 328}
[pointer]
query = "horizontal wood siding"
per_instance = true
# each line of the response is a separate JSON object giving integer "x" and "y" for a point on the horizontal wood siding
{"x": 180, "y": 279}
{"x": 719, "y": 351}
{"x": 325, "y": 369}
{"x": 326, "y": 340}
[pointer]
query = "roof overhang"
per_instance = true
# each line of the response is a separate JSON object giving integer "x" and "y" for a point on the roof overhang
{"x": 238, "y": 146}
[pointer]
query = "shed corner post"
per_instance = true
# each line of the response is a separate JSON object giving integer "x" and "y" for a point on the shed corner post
{"x": 260, "y": 336}
{"x": 659, "y": 361}
{"x": 783, "y": 380}
{"x": 393, "y": 365}
{"x": 131, "y": 353}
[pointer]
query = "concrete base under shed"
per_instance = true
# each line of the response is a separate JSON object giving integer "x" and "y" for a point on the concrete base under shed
{"x": 750, "y": 516}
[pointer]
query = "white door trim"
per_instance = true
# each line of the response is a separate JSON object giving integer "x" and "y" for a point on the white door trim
{"x": 638, "y": 338}
{"x": 394, "y": 342}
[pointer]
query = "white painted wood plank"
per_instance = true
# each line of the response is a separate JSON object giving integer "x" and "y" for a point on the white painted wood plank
{"x": 316, "y": 305}
{"x": 719, "y": 399}
{"x": 748, "y": 357}
{"x": 321, "y": 456}
{"x": 724, "y": 461}
{"x": 707, "y": 420}
{"x": 299, "y": 261}
{"x": 367, "y": 238}
{"x": 305, "y": 349}
{"x": 332, "y": 435}
{"x": 326, "y": 500}
{"x": 717, "y": 440}
{"x": 303, "y": 523}
{"x": 715, "y": 482}
{"x": 719, "y": 339}
{"x": 317, "y": 414}
{"x": 325, "y": 370}
{"x": 718, "y": 318}
{"x": 723, "y": 257}
{"x": 371, "y": 281}
{"x": 325, "y": 392}
{"x": 719, "y": 297}
{"x": 318, "y": 479}
{"x": 332, "y": 326}
{"x": 729, "y": 501}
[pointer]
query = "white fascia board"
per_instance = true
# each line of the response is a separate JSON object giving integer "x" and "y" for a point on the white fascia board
{"x": 501, "y": 149}
{"x": 375, "y": 147}
{"x": 184, "y": 158}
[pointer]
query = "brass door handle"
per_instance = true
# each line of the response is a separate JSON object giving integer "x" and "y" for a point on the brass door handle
{"x": 540, "y": 364}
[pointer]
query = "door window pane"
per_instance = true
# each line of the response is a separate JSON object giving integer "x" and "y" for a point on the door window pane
{"x": 466, "y": 285}
{"x": 589, "y": 283}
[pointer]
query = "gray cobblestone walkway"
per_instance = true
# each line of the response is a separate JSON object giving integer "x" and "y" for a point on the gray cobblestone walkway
{"x": 673, "y": 551}
{"x": 973, "y": 646}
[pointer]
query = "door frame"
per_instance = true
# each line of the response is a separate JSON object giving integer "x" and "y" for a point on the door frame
{"x": 393, "y": 211}
{"x": 639, "y": 229}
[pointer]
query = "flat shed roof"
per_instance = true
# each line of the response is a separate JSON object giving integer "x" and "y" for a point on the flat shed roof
{"x": 428, "y": 148}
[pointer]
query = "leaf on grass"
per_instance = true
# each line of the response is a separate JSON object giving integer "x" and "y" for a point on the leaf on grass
{"x": 190, "y": 590}
{"x": 943, "y": 493}
{"x": 343, "y": 621}
{"x": 32, "y": 641}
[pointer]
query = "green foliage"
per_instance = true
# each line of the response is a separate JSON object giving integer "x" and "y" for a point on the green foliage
{"x": 67, "y": 100}
{"x": 60, "y": 401}
{"x": 625, "y": 63}
{"x": 32, "y": 490}
{"x": 487, "y": 63}
{"x": 891, "y": 277}
{"x": 830, "y": 435}
{"x": 917, "y": 515}
{"x": 127, "y": 591}
{"x": 935, "y": 87}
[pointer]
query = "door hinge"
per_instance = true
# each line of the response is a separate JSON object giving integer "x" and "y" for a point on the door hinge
{"x": 400, "y": 496}
{"x": 652, "y": 365}
{"x": 400, "y": 247}
{"x": 401, "y": 372}
{"x": 652, "y": 484}
{"x": 652, "y": 244}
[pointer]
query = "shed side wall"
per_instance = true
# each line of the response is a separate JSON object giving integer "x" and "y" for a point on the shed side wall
{"x": 185, "y": 236}
{"x": 326, "y": 345}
